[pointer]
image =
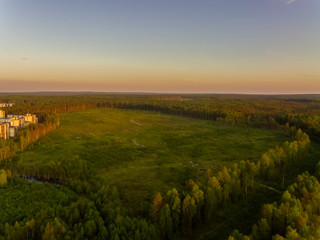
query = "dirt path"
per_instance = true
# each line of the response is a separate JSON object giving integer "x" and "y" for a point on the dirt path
{"x": 136, "y": 123}
{"x": 266, "y": 186}
{"x": 135, "y": 142}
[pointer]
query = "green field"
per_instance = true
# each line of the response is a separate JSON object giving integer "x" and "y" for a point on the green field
{"x": 144, "y": 152}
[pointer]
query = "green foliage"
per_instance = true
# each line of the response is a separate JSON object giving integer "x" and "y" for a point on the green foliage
{"x": 189, "y": 209}
{"x": 165, "y": 222}
{"x": 3, "y": 178}
{"x": 295, "y": 217}
{"x": 277, "y": 161}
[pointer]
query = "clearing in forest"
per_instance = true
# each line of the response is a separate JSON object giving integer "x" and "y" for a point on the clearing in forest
{"x": 142, "y": 152}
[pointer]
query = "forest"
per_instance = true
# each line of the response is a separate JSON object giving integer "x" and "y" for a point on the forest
{"x": 53, "y": 198}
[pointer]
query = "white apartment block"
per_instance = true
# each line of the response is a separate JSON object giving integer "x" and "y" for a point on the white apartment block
{"x": 4, "y": 130}
{"x": 6, "y": 104}
{"x": 28, "y": 118}
{"x": 9, "y": 125}
{"x": 2, "y": 114}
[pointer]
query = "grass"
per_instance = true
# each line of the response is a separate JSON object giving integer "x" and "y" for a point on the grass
{"x": 143, "y": 152}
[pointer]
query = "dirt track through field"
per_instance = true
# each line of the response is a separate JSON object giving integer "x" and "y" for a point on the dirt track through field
{"x": 136, "y": 123}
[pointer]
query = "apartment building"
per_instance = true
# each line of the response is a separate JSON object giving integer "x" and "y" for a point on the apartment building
{"x": 10, "y": 124}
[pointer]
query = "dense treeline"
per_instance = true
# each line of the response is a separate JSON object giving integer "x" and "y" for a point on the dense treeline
{"x": 251, "y": 111}
{"x": 296, "y": 216}
{"x": 28, "y": 135}
{"x": 278, "y": 161}
{"x": 94, "y": 213}
{"x": 59, "y": 214}
{"x": 309, "y": 122}
{"x": 175, "y": 213}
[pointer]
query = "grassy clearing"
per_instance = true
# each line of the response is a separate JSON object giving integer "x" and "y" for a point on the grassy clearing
{"x": 143, "y": 152}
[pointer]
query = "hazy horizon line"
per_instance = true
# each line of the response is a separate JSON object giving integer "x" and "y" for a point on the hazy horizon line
{"x": 155, "y": 93}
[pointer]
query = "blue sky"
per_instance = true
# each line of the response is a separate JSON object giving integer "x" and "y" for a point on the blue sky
{"x": 248, "y": 46}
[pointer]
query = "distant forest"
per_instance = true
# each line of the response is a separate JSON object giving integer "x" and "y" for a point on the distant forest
{"x": 100, "y": 213}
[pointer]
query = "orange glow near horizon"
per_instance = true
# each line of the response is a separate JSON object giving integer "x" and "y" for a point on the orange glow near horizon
{"x": 225, "y": 47}
{"x": 158, "y": 85}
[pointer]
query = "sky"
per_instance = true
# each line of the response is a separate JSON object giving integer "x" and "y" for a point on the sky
{"x": 194, "y": 46}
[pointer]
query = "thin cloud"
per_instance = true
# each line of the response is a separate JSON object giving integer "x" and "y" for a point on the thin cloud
{"x": 290, "y": 1}
{"x": 24, "y": 58}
